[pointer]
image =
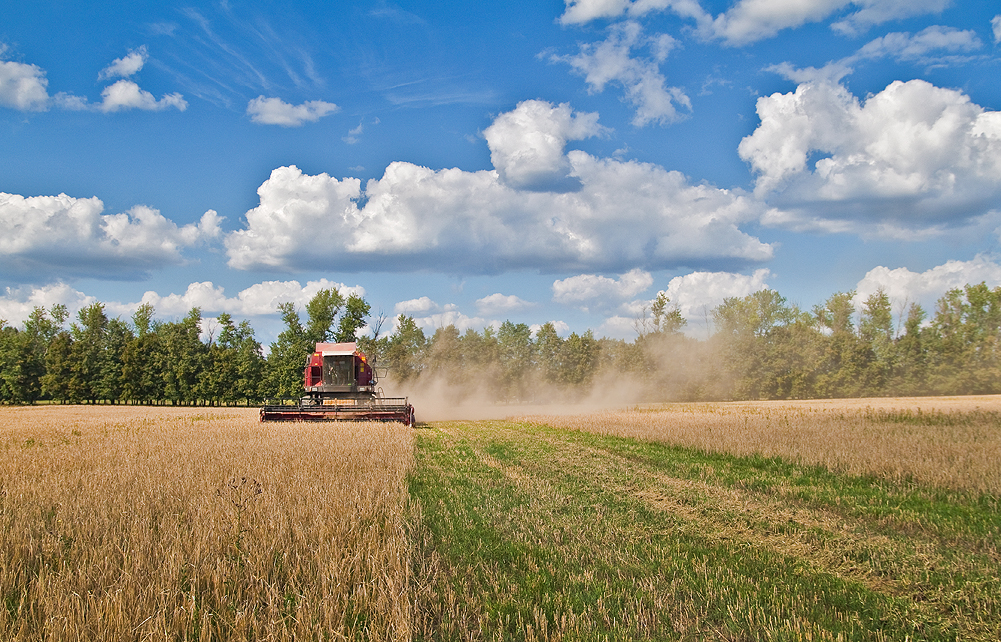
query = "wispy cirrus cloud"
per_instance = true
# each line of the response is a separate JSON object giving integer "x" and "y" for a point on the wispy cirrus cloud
{"x": 934, "y": 45}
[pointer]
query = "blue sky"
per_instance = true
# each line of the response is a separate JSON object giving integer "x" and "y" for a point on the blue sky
{"x": 469, "y": 163}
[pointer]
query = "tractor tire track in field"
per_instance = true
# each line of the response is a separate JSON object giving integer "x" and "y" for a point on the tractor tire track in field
{"x": 698, "y": 555}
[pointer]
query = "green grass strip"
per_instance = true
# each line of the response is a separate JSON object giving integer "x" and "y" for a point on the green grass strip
{"x": 530, "y": 534}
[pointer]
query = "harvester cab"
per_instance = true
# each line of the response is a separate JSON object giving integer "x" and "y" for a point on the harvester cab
{"x": 341, "y": 385}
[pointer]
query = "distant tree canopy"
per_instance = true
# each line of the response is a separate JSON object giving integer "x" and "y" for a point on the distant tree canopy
{"x": 762, "y": 348}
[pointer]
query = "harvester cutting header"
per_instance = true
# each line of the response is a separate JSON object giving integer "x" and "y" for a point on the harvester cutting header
{"x": 341, "y": 385}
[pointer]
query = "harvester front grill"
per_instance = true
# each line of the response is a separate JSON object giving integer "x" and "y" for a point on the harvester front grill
{"x": 376, "y": 409}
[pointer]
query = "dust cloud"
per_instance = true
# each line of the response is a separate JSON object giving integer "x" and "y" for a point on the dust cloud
{"x": 436, "y": 399}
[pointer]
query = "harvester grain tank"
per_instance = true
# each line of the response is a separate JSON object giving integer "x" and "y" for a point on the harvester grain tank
{"x": 341, "y": 385}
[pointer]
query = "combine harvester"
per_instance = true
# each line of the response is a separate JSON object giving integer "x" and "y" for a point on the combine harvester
{"x": 341, "y": 386}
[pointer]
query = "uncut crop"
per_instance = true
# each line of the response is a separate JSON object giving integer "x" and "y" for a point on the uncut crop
{"x": 185, "y": 524}
{"x": 950, "y": 442}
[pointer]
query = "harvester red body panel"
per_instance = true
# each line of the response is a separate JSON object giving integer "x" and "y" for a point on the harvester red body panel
{"x": 340, "y": 385}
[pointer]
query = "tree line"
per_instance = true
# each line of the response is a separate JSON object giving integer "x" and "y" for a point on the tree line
{"x": 762, "y": 348}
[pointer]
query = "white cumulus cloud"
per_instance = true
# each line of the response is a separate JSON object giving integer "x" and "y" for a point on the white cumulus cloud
{"x": 125, "y": 66}
{"x": 275, "y": 111}
{"x": 526, "y": 145}
{"x": 66, "y": 235}
{"x": 17, "y": 303}
{"x": 600, "y": 291}
{"x": 259, "y": 299}
{"x": 584, "y": 11}
{"x": 912, "y": 157}
{"x": 996, "y": 27}
{"x": 22, "y": 86}
{"x": 623, "y": 215}
{"x": 126, "y": 94}
{"x": 612, "y": 61}
{"x": 497, "y": 303}
{"x": 448, "y": 315}
{"x": 697, "y": 293}
{"x": 903, "y": 286}
{"x": 416, "y": 306}
{"x": 749, "y": 21}
{"x": 562, "y": 328}
{"x": 123, "y": 94}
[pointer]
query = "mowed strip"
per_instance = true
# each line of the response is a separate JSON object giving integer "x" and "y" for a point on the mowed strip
{"x": 531, "y": 532}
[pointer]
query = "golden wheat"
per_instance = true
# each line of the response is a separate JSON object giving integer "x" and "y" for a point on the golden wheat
{"x": 955, "y": 442}
{"x": 193, "y": 524}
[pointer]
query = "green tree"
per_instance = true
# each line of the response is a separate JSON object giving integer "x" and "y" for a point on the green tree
{"x": 480, "y": 357}
{"x": 142, "y": 360}
{"x": 59, "y": 368}
{"x": 22, "y": 353}
{"x": 664, "y": 317}
{"x": 910, "y": 377}
{"x": 182, "y": 358}
{"x": 117, "y": 336}
{"x": 963, "y": 341}
{"x": 579, "y": 359}
{"x": 237, "y": 364}
{"x": 845, "y": 367}
{"x": 548, "y": 350}
{"x": 876, "y": 335}
{"x": 88, "y": 353}
{"x": 20, "y": 368}
{"x": 517, "y": 360}
{"x": 406, "y": 353}
{"x": 321, "y": 314}
{"x": 287, "y": 356}
{"x": 444, "y": 355}
{"x": 250, "y": 362}
{"x": 746, "y": 329}
{"x": 356, "y": 311}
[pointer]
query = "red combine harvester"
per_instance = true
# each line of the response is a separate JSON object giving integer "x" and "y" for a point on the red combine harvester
{"x": 341, "y": 386}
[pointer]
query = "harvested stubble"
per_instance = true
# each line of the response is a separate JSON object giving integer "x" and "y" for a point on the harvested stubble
{"x": 533, "y": 533}
{"x": 194, "y": 524}
{"x": 949, "y": 442}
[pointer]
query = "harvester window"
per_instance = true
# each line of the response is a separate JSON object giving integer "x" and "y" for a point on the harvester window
{"x": 338, "y": 370}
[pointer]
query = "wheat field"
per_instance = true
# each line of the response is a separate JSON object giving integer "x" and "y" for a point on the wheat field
{"x": 879, "y": 521}
{"x": 949, "y": 442}
{"x": 129, "y": 523}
